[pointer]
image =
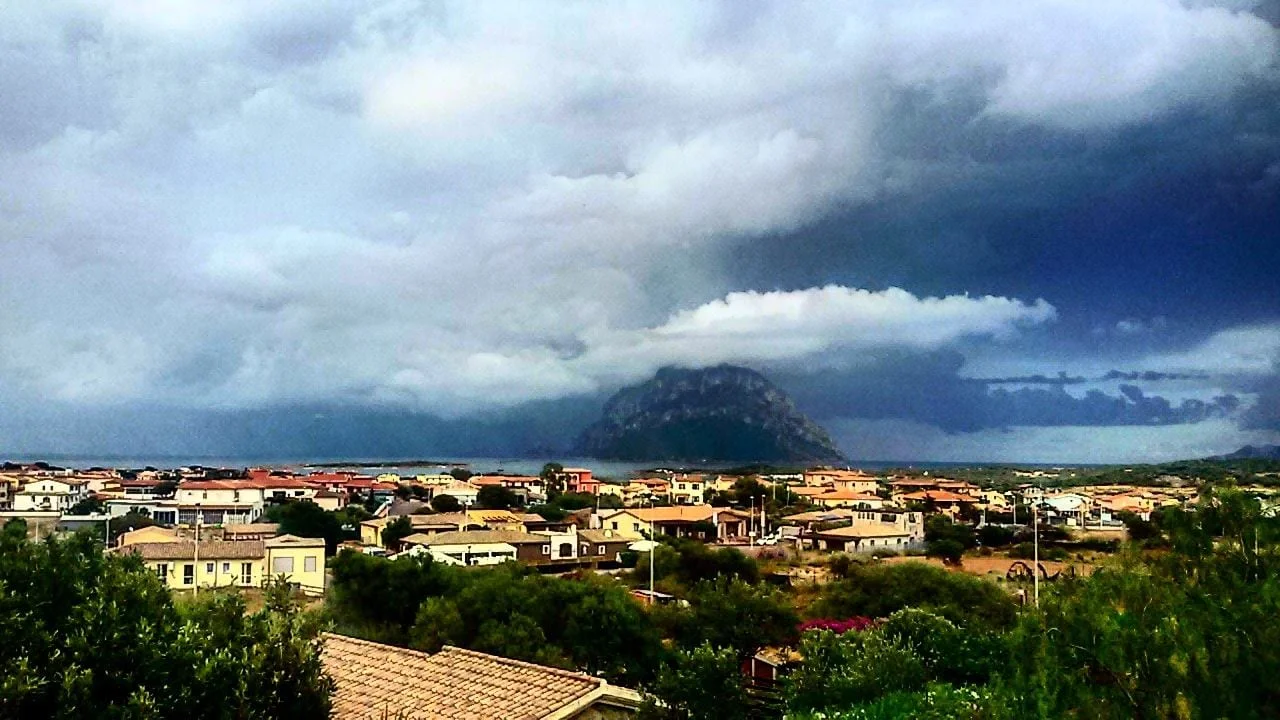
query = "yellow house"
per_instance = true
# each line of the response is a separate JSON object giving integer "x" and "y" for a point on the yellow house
{"x": 184, "y": 565}
{"x": 300, "y": 560}
{"x": 688, "y": 489}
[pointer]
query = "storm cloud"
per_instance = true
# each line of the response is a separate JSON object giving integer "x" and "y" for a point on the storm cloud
{"x": 449, "y": 210}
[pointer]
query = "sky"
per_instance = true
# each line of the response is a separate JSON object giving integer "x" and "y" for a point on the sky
{"x": 1031, "y": 231}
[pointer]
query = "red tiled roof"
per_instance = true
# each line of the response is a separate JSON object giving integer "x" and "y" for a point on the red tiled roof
{"x": 374, "y": 681}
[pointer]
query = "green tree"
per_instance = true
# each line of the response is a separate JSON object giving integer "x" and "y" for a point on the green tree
{"x": 89, "y": 635}
{"x": 729, "y": 613}
{"x": 1190, "y": 632}
{"x": 496, "y": 497}
{"x": 704, "y": 683}
{"x": 306, "y": 519}
{"x": 395, "y": 531}
{"x": 842, "y": 671}
{"x": 88, "y": 506}
{"x": 445, "y": 504}
{"x": 877, "y": 590}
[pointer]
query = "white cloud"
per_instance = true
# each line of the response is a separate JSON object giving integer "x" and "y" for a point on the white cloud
{"x": 471, "y": 204}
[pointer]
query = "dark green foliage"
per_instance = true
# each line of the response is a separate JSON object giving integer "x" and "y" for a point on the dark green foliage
{"x": 496, "y": 497}
{"x": 946, "y": 539}
{"x": 588, "y": 623}
{"x": 445, "y": 504}
{"x": 1187, "y": 633}
{"x": 377, "y": 599}
{"x": 950, "y": 551}
{"x": 704, "y": 683}
{"x": 687, "y": 562}
{"x": 840, "y": 671}
{"x": 93, "y": 636}
{"x": 729, "y": 613}
{"x": 1027, "y": 551}
{"x": 132, "y": 520}
{"x": 88, "y": 506}
{"x": 877, "y": 590}
{"x": 304, "y": 518}
{"x": 395, "y": 531}
{"x": 995, "y": 536}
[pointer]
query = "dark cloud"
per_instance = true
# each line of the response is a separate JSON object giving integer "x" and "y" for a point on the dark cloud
{"x": 1152, "y": 375}
{"x": 927, "y": 388}
{"x": 1061, "y": 378}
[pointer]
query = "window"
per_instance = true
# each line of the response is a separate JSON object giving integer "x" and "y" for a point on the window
{"x": 599, "y": 549}
{"x": 566, "y": 549}
{"x": 546, "y": 549}
{"x": 282, "y": 564}
{"x": 188, "y": 574}
{"x": 246, "y": 573}
{"x": 614, "y": 524}
{"x": 635, "y": 526}
{"x": 162, "y": 571}
{"x": 226, "y": 568}
{"x": 309, "y": 563}
{"x": 208, "y": 568}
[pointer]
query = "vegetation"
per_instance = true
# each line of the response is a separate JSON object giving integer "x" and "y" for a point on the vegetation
{"x": 307, "y": 519}
{"x": 446, "y": 504}
{"x": 395, "y": 531}
{"x": 586, "y": 622}
{"x": 89, "y": 635}
{"x": 878, "y": 590}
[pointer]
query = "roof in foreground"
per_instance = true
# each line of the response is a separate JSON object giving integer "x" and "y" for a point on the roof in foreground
{"x": 375, "y": 681}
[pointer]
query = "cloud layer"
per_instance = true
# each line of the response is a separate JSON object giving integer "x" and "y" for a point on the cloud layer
{"x": 458, "y": 207}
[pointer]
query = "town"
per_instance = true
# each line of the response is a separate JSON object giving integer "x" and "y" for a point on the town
{"x": 669, "y": 539}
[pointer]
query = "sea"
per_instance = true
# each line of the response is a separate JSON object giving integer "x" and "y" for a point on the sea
{"x": 416, "y": 466}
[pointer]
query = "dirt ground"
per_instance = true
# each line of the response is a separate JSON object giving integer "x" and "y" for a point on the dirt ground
{"x": 995, "y": 565}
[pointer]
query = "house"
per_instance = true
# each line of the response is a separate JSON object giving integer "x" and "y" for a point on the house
{"x": 375, "y": 681}
{"x": 371, "y": 530}
{"x": 498, "y": 519}
{"x": 465, "y": 493}
{"x": 850, "y": 480}
{"x": 482, "y": 547}
{"x": 278, "y": 489}
{"x": 601, "y": 546}
{"x": 218, "y": 502}
{"x": 857, "y": 524}
{"x": 863, "y": 538}
{"x": 150, "y": 534}
{"x": 50, "y": 495}
{"x": 299, "y": 560}
{"x": 676, "y": 520}
{"x": 688, "y": 489}
{"x": 6, "y": 493}
{"x": 329, "y": 500}
{"x": 578, "y": 480}
{"x": 849, "y": 498}
{"x": 942, "y": 500}
{"x": 187, "y": 565}
{"x": 765, "y": 669}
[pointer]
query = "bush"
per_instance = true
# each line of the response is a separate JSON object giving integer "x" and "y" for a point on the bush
{"x": 879, "y": 589}
{"x": 840, "y": 671}
{"x": 89, "y": 635}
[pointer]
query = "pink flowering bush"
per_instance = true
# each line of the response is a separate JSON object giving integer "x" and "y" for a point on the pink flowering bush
{"x": 857, "y": 623}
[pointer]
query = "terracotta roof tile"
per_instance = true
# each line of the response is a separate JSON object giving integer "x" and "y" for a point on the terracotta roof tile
{"x": 209, "y": 550}
{"x": 453, "y": 684}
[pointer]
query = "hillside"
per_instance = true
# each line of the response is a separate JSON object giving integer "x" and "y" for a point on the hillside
{"x": 720, "y": 414}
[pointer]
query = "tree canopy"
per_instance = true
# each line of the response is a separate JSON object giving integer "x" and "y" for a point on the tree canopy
{"x": 94, "y": 635}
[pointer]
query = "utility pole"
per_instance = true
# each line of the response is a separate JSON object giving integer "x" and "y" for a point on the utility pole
{"x": 653, "y": 548}
{"x": 195, "y": 557}
{"x": 1035, "y": 533}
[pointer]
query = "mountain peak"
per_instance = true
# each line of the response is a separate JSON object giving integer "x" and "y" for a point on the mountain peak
{"x": 721, "y": 413}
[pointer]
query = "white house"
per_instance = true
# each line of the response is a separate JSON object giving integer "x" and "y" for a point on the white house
{"x": 50, "y": 494}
